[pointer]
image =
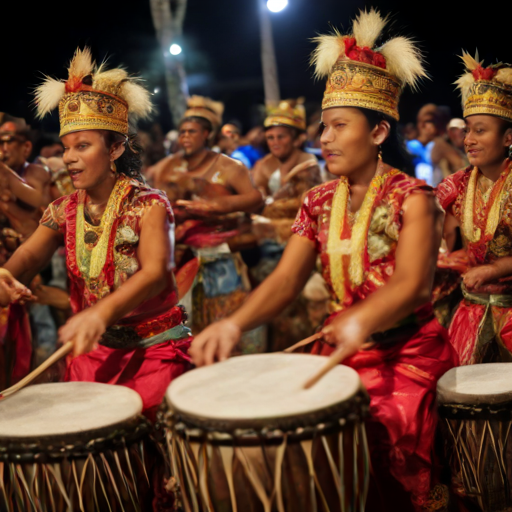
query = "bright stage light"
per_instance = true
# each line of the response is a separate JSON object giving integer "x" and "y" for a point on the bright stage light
{"x": 156, "y": 90}
{"x": 276, "y": 5}
{"x": 175, "y": 49}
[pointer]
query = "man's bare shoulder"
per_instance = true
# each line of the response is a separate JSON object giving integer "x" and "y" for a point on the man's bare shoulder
{"x": 228, "y": 164}
{"x": 37, "y": 172}
{"x": 268, "y": 164}
{"x": 168, "y": 164}
{"x": 305, "y": 157}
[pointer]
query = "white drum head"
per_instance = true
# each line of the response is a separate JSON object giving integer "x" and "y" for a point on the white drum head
{"x": 476, "y": 384}
{"x": 255, "y": 390}
{"x": 66, "y": 408}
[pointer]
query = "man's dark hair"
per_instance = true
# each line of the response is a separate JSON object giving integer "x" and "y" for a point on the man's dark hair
{"x": 205, "y": 124}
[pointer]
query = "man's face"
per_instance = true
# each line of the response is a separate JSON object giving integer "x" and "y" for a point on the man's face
{"x": 230, "y": 131}
{"x": 14, "y": 148}
{"x": 457, "y": 135}
{"x": 192, "y": 137}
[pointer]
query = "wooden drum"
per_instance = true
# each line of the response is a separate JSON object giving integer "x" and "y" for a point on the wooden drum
{"x": 74, "y": 446}
{"x": 244, "y": 436}
{"x": 475, "y": 403}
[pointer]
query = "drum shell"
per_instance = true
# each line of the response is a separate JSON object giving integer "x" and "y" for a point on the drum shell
{"x": 479, "y": 446}
{"x": 100, "y": 468}
{"x": 317, "y": 460}
{"x": 55, "y": 448}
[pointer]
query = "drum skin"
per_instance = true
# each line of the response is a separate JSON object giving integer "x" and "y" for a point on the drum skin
{"x": 475, "y": 404}
{"x": 254, "y": 440}
{"x": 77, "y": 446}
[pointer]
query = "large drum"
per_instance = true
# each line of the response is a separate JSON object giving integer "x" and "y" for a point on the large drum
{"x": 244, "y": 436}
{"x": 476, "y": 405}
{"x": 75, "y": 446}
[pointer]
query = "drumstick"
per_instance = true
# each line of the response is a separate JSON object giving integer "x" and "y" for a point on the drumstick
{"x": 333, "y": 361}
{"x": 304, "y": 342}
{"x": 63, "y": 351}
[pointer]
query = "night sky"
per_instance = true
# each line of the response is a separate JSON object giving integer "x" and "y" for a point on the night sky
{"x": 221, "y": 42}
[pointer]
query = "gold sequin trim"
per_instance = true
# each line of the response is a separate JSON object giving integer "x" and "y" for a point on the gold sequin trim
{"x": 336, "y": 247}
{"x": 99, "y": 252}
{"x": 472, "y": 233}
{"x": 334, "y": 242}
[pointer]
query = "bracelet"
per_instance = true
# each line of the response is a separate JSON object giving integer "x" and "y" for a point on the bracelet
{"x": 6, "y": 273}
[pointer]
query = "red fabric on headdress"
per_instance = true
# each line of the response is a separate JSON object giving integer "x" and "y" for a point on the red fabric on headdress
{"x": 363, "y": 54}
{"x": 481, "y": 73}
{"x": 75, "y": 84}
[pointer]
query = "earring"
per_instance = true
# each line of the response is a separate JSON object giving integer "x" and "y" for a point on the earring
{"x": 113, "y": 167}
{"x": 379, "y": 154}
{"x": 510, "y": 152}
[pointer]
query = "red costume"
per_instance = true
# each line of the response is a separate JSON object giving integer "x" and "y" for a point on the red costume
{"x": 401, "y": 371}
{"x": 481, "y": 329}
{"x": 147, "y": 348}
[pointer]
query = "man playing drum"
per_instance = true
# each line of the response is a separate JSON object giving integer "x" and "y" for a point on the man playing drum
{"x": 378, "y": 232}
{"x": 479, "y": 199}
{"x": 127, "y": 328}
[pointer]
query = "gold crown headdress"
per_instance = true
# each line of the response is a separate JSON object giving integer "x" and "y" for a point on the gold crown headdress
{"x": 199, "y": 106}
{"x": 486, "y": 90}
{"x": 93, "y": 98}
{"x": 287, "y": 113}
{"x": 360, "y": 75}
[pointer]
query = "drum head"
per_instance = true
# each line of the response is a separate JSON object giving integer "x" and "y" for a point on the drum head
{"x": 264, "y": 390}
{"x": 476, "y": 384}
{"x": 57, "y": 409}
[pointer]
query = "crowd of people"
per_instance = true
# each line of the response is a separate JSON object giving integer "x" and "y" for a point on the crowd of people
{"x": 391, "y": 241}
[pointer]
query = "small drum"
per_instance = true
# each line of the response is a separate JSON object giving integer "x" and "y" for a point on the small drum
{"x": 244, "y": 436}
{"x": 475, "y": 403}
{"x": 74, "y": 446}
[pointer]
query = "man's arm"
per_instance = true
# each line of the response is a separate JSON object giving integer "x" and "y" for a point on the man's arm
{"x": 35, "y": 190}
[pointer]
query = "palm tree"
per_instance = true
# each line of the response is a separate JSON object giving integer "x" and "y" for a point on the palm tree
{"x": 168, "y": 17}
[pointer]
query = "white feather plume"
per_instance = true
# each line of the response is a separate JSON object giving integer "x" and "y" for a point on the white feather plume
{"x": 48, "y": 95}
{"x": 138, "y": 99}
{"x": 329, "y": 49}
{"x": 470, "y": 62}
{"x": 109, "y": 80}
{"x": 120, "y": 83}
{"x": 404, "y": 60}
{"x": 464, "y": 84}
{"x": 504, "y": 75}
{"x": 81, "y": 64}
{"x": 367, "y": 27}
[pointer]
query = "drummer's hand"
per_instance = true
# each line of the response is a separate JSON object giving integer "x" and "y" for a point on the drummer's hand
{"x": 201, "y": 207}
{"x": 11, "y": 290}
{"x": 478, "y": 276}
{"x": 215, "y": 343}
{"x": 84, "y": 329}
{"x": 346, "y": 334}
